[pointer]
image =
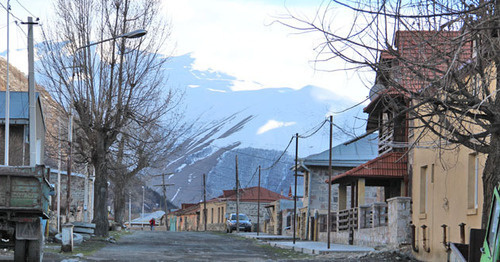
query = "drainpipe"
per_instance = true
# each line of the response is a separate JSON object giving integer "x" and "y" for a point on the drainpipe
{"x": 424, "y": 240}
{"x": 413, "y": 238}
{"x": 445, "y": 243}
{"x": 462, "y": 232}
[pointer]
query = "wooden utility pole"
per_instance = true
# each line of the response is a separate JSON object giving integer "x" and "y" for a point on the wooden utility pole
{"x": 295, "y": 193}
{"x": 329, "y": 223}
{"x": 204, "y": 202}
{"x": 258, "y": 206}
{"x": 237, "y": 199}
{"x": 164, "y": 187}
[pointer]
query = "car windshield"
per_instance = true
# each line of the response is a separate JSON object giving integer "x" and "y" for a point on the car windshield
{"x": 242, "y": 217}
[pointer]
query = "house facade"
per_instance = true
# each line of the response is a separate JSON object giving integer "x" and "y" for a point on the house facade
{"x": 19, "y": 153}
{"x": 314, "y": 168}
{"x": 220, "y": 207}
{"x": 443, "y": 179}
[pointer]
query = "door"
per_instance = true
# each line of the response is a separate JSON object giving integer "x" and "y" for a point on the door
{"x": 491, "y": 241}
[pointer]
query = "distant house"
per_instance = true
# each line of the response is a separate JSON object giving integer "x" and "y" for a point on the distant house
{"x": 187, "y": 218}
{"x": 314, "y": 168}
{"x": 19, "y": 154}
{"x": 79, "y": 184}
{"x": 279, "y": 217}
{"x": 220, "y": 207}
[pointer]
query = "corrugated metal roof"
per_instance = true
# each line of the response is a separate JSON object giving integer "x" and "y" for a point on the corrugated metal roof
{"x": 19, "y": 105}
{"x": 249, "y": 194}
{"x": 157, "y": 215}
{"x": 349, "y": 154}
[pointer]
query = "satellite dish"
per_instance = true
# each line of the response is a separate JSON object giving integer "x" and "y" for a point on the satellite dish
{"x": 376, "y": 90}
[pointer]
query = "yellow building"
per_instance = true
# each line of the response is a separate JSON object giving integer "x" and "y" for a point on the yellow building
{"x": 447, "y": 197}
{"x": 220, "y": 207}
{"x": 445, "y": 179}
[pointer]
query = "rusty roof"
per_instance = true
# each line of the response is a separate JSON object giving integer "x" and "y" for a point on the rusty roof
{"x": 389, "y": 165}
{"x": 249, "y": 194}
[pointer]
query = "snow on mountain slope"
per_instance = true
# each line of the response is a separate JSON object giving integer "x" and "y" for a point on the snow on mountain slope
{"x": 264, "y": 123}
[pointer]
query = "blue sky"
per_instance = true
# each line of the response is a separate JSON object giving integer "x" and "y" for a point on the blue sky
{"x": 235, "y": 37}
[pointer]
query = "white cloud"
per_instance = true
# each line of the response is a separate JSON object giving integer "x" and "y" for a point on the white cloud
{"x": 237, "y": 37}
{"x": 273, "y": 124}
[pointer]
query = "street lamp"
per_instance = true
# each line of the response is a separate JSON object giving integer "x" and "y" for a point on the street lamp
{"x": 134, "y": 34}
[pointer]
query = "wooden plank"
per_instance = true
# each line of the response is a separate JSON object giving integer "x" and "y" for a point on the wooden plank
{"x": 83, "y": 230}
{"x": 83, "y": 224}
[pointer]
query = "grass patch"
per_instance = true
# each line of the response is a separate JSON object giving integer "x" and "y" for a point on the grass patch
{"x": 87, "y": 247}
{"x": 285, "y": 253}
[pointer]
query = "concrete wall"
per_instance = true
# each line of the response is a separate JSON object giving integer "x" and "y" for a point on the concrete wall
{"x": 447, "y": 188}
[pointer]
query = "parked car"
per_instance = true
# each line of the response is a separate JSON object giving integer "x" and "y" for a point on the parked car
{"x": 245, "y": 223}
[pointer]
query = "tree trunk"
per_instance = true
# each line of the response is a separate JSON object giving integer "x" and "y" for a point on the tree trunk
{"x": 119, "y": 203}
{"x": 491, "y": 176}
{"x": 100, "y": 199}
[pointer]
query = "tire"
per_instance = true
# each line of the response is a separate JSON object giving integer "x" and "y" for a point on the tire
{"x": 35, "y": 248}
{"x": 20, "y": 250}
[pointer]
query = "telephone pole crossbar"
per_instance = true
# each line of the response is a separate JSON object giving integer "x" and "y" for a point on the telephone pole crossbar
{"x": 164, "y": 187}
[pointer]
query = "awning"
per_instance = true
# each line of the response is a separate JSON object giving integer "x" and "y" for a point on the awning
{"x": 389, "y": 165}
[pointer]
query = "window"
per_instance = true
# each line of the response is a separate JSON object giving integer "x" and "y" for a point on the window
{"x": 423, "y": 189}
{"x": 472, "y": 181}
{"x": 222, "y": 213}
{"x": 322, "y": 223}
{"x": 212, "y": 216}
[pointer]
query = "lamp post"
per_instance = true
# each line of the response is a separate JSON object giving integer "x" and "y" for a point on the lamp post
{"x": 142, "y": 214}
{"x": 134, "y": 34}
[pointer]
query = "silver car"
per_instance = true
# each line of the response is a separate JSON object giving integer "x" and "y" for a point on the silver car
{"x": 245, "y": 223}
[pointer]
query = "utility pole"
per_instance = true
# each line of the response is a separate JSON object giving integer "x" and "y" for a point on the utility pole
{"x": 7, "y": 94}
{"x": 237, "y": 199}
{"x": 31, "y": 93}
{"x": 329, "y": 223}
{"x": 142, "y": 214}
{"x": 129, "y": 210}
{"x": 258, "y": 206}
{"x": 204, "y": 202}
{"x": 59, "y": 180}
{"x": 70, "y": 160}
{"x": 164, "y": 187}
{"x": 86, "y": 196}
{"x": 295, "y": 193}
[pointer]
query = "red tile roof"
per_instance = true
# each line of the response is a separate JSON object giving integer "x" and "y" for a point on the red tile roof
{"x": 389, "y": 165}
{"x": 186, "y": 209}
{"x": 249, "y": 194}
{"x": 421, "y": 57}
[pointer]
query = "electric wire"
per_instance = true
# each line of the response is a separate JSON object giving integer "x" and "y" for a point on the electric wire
{"x": 29, "y": 12}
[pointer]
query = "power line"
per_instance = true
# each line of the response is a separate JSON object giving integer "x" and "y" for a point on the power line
{"x": 27, "y": 10}
{"x": 320, "y": 125}
{"x": 10, "y": 12}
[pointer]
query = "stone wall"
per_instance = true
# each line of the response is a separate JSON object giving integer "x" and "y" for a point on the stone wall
{"x": 216, "y": 227}
{"x": 397, "y": 232}
{"x": 399, "y": 220}
{"x": 371, "y": 237}
{"x": 249, "y": 209}
{"x": 316, "y": 195}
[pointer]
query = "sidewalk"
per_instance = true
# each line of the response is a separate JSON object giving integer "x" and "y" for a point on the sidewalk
{"x": 310, "y": 247}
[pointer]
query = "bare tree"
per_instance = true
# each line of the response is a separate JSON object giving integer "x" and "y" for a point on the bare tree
{"x": 445, "y": 81}
{"x": 112, "y": 86}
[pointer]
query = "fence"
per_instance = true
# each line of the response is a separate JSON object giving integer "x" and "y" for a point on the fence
{"x": 366, "y": 216}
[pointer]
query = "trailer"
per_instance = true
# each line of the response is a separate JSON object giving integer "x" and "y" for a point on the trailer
{"x": 24, "y": 206}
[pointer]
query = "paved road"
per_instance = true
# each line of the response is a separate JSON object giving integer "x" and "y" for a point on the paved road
{"x": 188, "y": 246}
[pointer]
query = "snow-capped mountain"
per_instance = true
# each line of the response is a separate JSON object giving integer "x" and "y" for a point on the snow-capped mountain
{"x": 264, "y": 122}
